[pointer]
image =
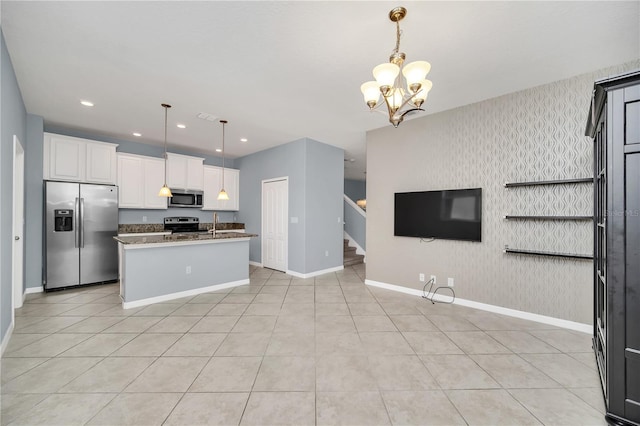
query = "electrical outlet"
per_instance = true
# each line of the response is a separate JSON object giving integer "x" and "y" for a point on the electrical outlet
{"x": 421, "y": 277}
{"x": 144, "y": 219}
{"x": 433, "y": 277}
{"x": 326, "y": 253}
{"x": 450, "y": 282}
{"x": 188, "y": 269}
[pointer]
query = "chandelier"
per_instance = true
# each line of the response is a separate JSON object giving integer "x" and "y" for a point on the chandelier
{"x": 404, "y": 93}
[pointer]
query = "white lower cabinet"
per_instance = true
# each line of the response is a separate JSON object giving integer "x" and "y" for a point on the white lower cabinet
{"x": 213, "y": 184}
{"x": 139, "y": 180}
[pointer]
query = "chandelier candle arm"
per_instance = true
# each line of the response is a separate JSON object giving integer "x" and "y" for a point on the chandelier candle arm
{"x": 392, "y": 77}
{"x": 165, "y": 191}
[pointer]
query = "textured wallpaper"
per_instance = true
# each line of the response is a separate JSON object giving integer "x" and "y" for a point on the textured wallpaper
{"x": 536, "y": 134}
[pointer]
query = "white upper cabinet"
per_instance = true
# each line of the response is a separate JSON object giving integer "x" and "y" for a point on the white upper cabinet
{"x": 184, "y": 172}
{"x": 78, "y": 160}
{"x": 139, "y": 180}
{"x": 213, "y": 184}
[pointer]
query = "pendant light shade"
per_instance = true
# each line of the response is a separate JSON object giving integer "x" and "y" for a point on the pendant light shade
{"x": 222, "y": 195}
{"x": 165, "y": 191}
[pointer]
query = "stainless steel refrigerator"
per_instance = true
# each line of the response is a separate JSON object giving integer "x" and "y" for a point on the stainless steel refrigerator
{"x": 80, "y": 223}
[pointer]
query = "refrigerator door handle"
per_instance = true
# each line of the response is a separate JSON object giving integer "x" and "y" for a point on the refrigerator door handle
{"x": 77, "y": 224}
{"x": 82, "y": 222}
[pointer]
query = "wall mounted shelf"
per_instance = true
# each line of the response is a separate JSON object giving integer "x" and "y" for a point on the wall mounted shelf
{"x": 518, "y": 217}
{"x": 549, "y": 253}
{"x": 548, "y": 182}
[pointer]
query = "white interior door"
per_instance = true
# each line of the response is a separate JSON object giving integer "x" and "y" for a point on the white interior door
{"x": 17, "y": 278}
{"x": 275, "y": 212}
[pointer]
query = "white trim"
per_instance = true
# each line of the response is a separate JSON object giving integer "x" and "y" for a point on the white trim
{"x": 181, "y": 294}
{"x": 355, "y": 206}
{"x": 5, "y": 340}
{"x": 258, "y": 264}
{"x": 571, "y": 325}
{"x": 354, "y": 243}
{"x": 32, "y": 290}
{"x": 315, "y": 273}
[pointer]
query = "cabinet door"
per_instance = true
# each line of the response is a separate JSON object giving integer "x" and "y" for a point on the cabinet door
{"x": 66, "y": 159}
{"x": 176, "y": 171}
{"x": 195, "y": 176}
{"x": 130, "y": 182}
{"x": 101, "y": 163}
{"x": 153, "y": 181}
{"x": 212, "y": 184}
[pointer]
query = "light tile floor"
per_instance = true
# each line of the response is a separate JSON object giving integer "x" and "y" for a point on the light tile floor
{"x": 327, "y": 351}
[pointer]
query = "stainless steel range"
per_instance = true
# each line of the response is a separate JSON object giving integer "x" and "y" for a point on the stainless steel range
{"x": 182, "y": 225}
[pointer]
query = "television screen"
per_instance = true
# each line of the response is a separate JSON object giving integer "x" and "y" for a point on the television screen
{"x": 450, "y": 215}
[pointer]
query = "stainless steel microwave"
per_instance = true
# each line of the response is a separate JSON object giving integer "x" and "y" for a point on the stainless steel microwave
{"x": 185, "y": 198}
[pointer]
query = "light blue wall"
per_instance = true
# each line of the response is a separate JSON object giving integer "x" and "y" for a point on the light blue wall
{"x": 355, "y": 189}
{"x": 130, "y": 216}
{"x": 13, "y": 118}
{"x": 33, "y": 201}
{"x": 324, "y": 186}
{"x": 286, "y": 160}
{"x": 316, "y": 173}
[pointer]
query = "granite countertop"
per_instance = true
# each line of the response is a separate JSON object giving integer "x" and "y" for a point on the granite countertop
{"x": 135, "y": 228}
{"x": 181, "y": 238}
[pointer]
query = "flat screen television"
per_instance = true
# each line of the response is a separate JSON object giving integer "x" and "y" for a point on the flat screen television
{"x": 450, "y": 215}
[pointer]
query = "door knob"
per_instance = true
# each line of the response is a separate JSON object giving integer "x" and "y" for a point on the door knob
{"x": 16, "y": 238}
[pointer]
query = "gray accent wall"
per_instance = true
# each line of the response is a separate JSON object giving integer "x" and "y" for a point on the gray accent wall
{"x": 535, "y": 134}
{"x": 355, "y": 224}
{"x": 316, "y": 173}
{"x": 13, "y": 118}
{"x": 355, "y": 189}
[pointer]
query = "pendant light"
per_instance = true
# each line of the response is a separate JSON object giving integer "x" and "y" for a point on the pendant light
{"x": 165, "y": 191}
{"x": 222, "y": 195}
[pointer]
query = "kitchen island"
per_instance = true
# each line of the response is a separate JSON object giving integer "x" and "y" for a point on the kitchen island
{"x": 157, "y": 268}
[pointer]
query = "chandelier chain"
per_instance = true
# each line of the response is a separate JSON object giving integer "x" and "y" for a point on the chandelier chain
{"x": 398, "y": 34}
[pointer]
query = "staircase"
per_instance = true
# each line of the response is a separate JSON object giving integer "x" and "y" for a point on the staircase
{"x": 350, "y": 257}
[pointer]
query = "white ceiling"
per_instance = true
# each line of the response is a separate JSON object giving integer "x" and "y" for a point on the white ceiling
{"x": 280, "y": 71}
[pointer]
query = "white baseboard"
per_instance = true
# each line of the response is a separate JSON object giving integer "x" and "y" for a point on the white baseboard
{"x": 5, "y": 339}
{"x": 181, "y": 294}
{"x": 571, "y": 325}
{"x": 353, "y": 243}
{"x": 315, "y": 273}
{"x": 258, "y": 264}
{"x": 31, "y": 290}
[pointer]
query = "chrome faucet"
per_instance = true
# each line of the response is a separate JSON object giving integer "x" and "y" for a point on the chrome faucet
{"x": 215, "y": 221}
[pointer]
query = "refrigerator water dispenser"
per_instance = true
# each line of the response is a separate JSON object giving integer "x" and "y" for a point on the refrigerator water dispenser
{"x": 63, "y": 220}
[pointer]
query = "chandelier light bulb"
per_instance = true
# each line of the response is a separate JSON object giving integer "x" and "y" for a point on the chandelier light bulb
{"x": 371, "y": 92}
{"x": 385, "y": 74}
{"x": 414, "y": 73}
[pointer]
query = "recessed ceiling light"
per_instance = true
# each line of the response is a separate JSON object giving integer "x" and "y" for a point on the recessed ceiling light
{"x": 218, "y": 150}
{"x": 243, "y": 139}
{"x": 137, "y": 134}
{"x": 181, "y": 126}
{"x": 87, "y": 103}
